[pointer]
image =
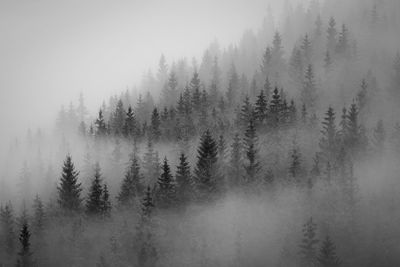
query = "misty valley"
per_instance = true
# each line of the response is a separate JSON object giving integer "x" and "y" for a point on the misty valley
{"x": 281, "y": 149}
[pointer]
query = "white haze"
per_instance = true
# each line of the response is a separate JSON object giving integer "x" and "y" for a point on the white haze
{"x": 51, "y": 51}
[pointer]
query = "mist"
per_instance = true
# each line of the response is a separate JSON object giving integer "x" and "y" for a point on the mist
{"x": 199, "y": 133}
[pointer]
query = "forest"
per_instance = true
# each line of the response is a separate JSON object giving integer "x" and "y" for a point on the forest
{"x": 282, "y": 149}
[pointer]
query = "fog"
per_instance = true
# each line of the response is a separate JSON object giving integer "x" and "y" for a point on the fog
{"x": 200, "y": 133}
{"x": 55, "y": 50}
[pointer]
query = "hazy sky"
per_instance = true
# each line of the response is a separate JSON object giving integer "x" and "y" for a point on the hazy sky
{"x": 51, "y": 50}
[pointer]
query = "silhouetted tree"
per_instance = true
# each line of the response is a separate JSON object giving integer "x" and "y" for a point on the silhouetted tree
{"x": 69, "y": 189}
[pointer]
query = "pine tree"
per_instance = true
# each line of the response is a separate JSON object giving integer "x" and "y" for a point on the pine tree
{"x": 233, "y": 87}
{"x": 206, "y": 178}
{"x": 151, "y": 166}
{"x": 308, "y": 250}
{"x": 131, "y": 125}
{"x": 195, "y": 90}
{"x": 295, "y": 168}
{"x": 252, "y": 165}
{"x": 147, "y": 253}
{"x": 275, "y": 108}
{"x": 306, "y": 48}
{"x": 101, "y": 128}
{"x": 94, "y": 201}
{"x": 7, "y": 221}
{"x": 296, "y": 67}
{"x": 246, "y": 113}
{"x": 261, "y": 108}
{"x": 105, "y": 202}
{"x": 331, "y": 39}
{"x": 309, "y": 92}
{"x": 328, "y": 141}
{"x": 266, "y": 62}
{"x": 236, "y": 162}
{"x": 342, "y": 47}
{"x": 39, "y": 216}
{"x": 131, "y": 185}
{"x": 327, "y": 255}
{"x": 25, "y": 253}
{"x": 118, "y": 118}
{"x": 379, "y": 137}
{"x": 166, "y": 194}
{"x": 353, "y": 138}
{"x": 69, "y": 189}
{"x": 328, "y": 62}
{"x": 155, "y": 125}
{"x": 184, "y": 183}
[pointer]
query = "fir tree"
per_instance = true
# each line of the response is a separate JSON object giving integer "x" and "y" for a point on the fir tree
{"x": 155, "y": 125}
{"x": 327, "y": 255}
{"x": 39, "y": 216}
{"x": 233, "y": 87}
{"x": 328, "y": 141}
{"x": 309, "y": 92}
{"x": 69, "y": 189}
{"x": 331, "y": 39}
{"x": 379, "y": 137}
{"x": 25, "y": 253}
{"x": 308, "y": 250}
{"x": 131, "y": 185}
{"x": 151, "y": 166}
{"x": 295, "y": 168}
{"x": 184, "y": 183}
{"x": 328, "y": 62}
{"x": 252, "y": 165}
{"x": 101, "y": 128}
{"x": 166, "y": 194}
{"x": 246, "y": 113}
{"x": 105, "y": 202}
{"x": 236, "y": 162}
{"x": 275, "y": 108}
{"x": 131, "y": 125}
{"x": 195, "y": 90}
{"x": 94, "y": 201}
{"x": 261, "y": 108}
{"x": 206, "y": 178}
{"x": 7, "y": 228}
{"x": 118, "y": 118}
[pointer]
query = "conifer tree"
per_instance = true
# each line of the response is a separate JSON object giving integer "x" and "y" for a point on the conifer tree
{"x": 306, "y": 48}
{"x": 147, "y": 254}
{"x": 236, "y": 162}
{"x": 155, "y": 125}
{"x": 151, "y": 166}
{"x": 7, "y": 221}
{"x": 353, "y": 138}
{"x": 275, "y": 108}
{"x": 69, "y": 189}
{"x": 266, "y": 62}
{"x": 252, "y": 165}
{"x": 131, "y": 185}
{"x": 342, "y": 47}
{"x": 328, "y": 62}
{"x": 233, "y": 87}
{"x": 105, "y": 202}
{"x": 327, "y": 255}
{"x": 295, "y": 168}
{"x": 308, "y": 250}
{"x": 379, "y": 137}
{"x": 331, "y": 39}
{"x": 25, "y": 253}
{"x": 206, "y": 177}
{"x": 94, "y": 199}
{"x": 166, "y": 194}
{"x": 184, "y": 183}
{"x": 261, "y": 108}
{"x": 246, "y": 113}
{"x": 328, "y": 141}
{"x": 118, "y": 118}
{"x": 39, "y": 216}
{"x": 101, "y": 128}
{"x": 131, "y": 125}
{"x": 309, "y": 92}
{"x": 195, "y": 90}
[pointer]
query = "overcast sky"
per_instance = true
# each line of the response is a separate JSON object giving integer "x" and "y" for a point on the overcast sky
{"x": 51, "y": 50}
